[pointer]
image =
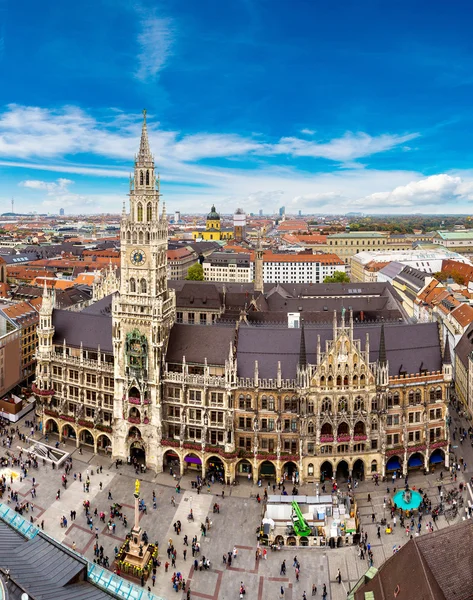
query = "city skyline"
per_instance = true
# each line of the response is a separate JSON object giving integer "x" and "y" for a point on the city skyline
{"x": 320, "y": 109}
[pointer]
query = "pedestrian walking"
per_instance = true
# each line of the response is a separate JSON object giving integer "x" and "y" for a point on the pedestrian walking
{"x": 339, "y": 577}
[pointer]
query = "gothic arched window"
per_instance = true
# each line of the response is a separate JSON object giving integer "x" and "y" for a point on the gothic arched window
{"x": 310, "y": 428}
{"x": 342, "y": 405}
{"x": 128, "y": 237}
{"x": 140, "y": 237}
{"x": 141, "y": 177}
{"x": 143, "y": 286}
{"x": 326, "y": 405}
{"x": 149, "y": 212}
{"x": 140, "y": 212}
{"x": 134, "y": 237}
{"x": 147, "y": 177}
{"x": 147, "y": 237}
{"x": 132, "y": 285}
{"x": 359, "y": 403}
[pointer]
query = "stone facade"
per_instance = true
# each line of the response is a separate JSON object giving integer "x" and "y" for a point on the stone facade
{"x": 121, "y": 383}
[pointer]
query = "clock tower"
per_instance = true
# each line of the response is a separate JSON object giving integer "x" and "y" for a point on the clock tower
{"x": 143, "y": 313}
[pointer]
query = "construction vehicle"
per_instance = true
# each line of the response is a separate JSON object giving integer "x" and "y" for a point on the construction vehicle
{"x": 300, "y": 525}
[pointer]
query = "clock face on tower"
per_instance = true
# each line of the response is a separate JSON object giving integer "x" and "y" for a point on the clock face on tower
{"x": 138, "y": 257}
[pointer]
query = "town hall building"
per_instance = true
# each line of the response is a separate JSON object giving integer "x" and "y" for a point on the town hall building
{"x": 261, "y": 394}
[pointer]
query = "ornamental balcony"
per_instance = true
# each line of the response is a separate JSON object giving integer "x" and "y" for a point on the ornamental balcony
{"x": 343, "y": 438}
{"x": 326, "y": 439}
{"x": 37, "y": 390}
{"x": 360, "y": 437}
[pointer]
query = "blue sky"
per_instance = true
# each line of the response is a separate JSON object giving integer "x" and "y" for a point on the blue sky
{"x": 327, "y": 107}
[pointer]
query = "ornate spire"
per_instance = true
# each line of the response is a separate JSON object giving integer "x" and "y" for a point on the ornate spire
{"x": 144, "y": 156}
{"x": 302, "y": 350}
{"x": 382, "y": 348}
{"x": 447, "y": 358}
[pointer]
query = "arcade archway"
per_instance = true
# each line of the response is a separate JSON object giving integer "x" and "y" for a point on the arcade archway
{"x": 215, "y": 468}
{"x": 394, "y": 464}
{"x": 359, "y": 469}
{"x": 104, "y": 443}
{"x": 267, "y": 469}
{"x": 244, "y": 468}
{"x": 416, "y": 461}
{"x": 343, "y": 472}
{"x": 192, "y": 461}
{"x": 51, "y": 426}
{"x": 289, "y": 470}
{"x": 138, "y": 452}
{"x": 86, "y": 437}
{"x": 171, "y": 461}
{"x": 326, "y": 471}
{"x": 69, "y": 432}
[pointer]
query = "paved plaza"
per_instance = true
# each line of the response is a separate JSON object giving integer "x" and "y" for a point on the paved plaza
{"x": 236, "y": 525}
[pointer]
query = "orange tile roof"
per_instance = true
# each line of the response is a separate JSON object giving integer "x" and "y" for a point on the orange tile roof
{"x": 4, "y": 289}
{"x": 293, "y": 225}
{"x": 463, "y": 314}
{"x": 303, "y": 257}
{"x": 179, "y": 253}
{"x": 84, "y": 279}
{"x": 20, "y": 310}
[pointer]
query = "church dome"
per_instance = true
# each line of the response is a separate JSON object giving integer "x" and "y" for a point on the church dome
{"x": 213, "y": 214}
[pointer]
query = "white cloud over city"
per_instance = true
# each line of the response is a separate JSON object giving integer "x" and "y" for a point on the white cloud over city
{"x": 71, "y": 141}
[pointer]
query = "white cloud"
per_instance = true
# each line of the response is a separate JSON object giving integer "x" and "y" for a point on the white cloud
{"x": 434, "y": 190}
{"x": 33, "y": 132}
{"x": 308, "y": 131}
{"x": 155, "y": 41}
{"x": 52, "y": 187}
{"x": 347, "y": 148}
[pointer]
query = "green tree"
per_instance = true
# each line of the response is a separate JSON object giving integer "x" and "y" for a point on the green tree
{"x": 196, "y": 272}
{"x": 337, "y": 277}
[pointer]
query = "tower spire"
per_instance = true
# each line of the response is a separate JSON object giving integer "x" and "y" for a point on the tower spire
{"x": 447, "y": 358}
{"x": 382, "y": 348}
{"x": 144, "y": 154}
{"x": 302, "y": 350}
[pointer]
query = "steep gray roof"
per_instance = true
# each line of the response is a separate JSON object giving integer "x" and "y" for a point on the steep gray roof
{"x": 199, "y": 342}
{"x": 409, "y": 347}
{"x": 465, "y": 346}
{"x": 89, "y": 328}
{"x": 45, "y": 569}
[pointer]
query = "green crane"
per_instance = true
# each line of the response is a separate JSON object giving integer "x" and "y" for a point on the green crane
{"x": 300, "y": 525}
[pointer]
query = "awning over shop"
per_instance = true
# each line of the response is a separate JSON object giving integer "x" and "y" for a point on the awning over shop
{"x": 415, "y": 461}
{"x": 193, "y": 459}
{"x": 436, "y": 458}
{"x": 393, "y": 464}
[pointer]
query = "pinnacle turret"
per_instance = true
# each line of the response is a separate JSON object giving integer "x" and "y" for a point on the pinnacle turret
{"x": 144, "y": 156}
{"x": 382, "y": 348}
{"x": 302, "y": 349}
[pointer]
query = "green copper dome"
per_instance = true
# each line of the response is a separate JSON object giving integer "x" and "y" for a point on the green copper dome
{"x": 213, "y": 214}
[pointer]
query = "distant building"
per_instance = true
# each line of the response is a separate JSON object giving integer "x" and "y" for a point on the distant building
{"x": 61, "y": 212}
{"x": 213, "y": 229}
{"x": 179, "y": 261}
{"x": 10, "y": 356}
{"x": 364, "y": 264}
{"x": 282, "y": 211}
{"x": 457, "y": 241}
{"x": 232, "y": 267}
{"x": 177, "y": 216}
{"x": 260, "y": 212}
{"x": 300, "y": 268}
{"x": 300, "y": 213}
{"x": 239, "y": 225}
